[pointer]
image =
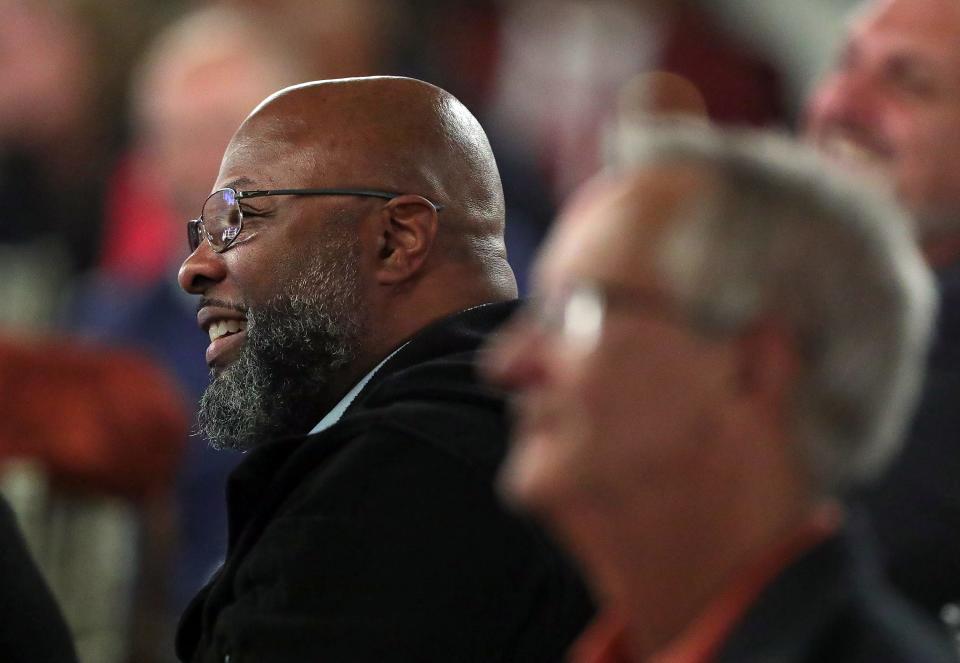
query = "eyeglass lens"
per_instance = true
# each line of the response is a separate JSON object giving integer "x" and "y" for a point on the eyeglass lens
{"x": 220, "y": 221}
{"x": 575, "y": 314}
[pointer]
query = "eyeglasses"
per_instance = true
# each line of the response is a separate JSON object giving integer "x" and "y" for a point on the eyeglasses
{"x": 221, "y": 218}
{"x": 576, "y": 313}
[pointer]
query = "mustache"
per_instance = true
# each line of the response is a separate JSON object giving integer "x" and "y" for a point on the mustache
{"x": 221, "y": 303}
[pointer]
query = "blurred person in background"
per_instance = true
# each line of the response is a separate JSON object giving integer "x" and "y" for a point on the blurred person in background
{"x": 580, "y": 53}
{"x": 890, "y": 107}
{"x": 560, "y": 69}
{"x": 335, "y": 38}
{"x": 94, "y": 426}
{"x": 91, "y": 438}
{"x": 725, "y": 338}
{"x": 188, "y": 94}
{"x": 191, "y": 90}
{"x": 62, "y": 75}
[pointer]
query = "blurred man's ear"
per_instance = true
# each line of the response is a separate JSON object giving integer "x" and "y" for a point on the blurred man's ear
{"x": 407, "y": 233}
{"x": 768, "y": 363}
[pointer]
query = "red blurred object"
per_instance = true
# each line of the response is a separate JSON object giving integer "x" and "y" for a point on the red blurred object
{"x": 739, "y": 87}
{"x": 140, "y": 238}
{"x": 101, "y": 421}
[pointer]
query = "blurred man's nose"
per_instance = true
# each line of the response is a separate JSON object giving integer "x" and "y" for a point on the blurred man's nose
{"x": 202, "y": 269}
{"x": 845, "y": 99}
{"x": 515, "y": 359}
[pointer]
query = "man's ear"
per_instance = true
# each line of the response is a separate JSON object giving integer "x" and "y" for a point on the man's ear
{"x": 769, "y": 363}
{"x": 408, "y": 230}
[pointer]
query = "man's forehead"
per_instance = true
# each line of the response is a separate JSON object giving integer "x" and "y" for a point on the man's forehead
{"x": 303, "y": 139}
{"x": 253, "y": 161}
{"x": 923, "y": 25}
{"x": 324, "y": 111}
{"x": 272, "y": 155}
{"x": 611, "y": 228}
{"x": 273, "y": 128}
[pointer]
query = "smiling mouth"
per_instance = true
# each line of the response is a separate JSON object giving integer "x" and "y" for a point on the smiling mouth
{"x": 848, "y": 149}
{"x": 224, "y": 328}
{"x": 227, "y": 338}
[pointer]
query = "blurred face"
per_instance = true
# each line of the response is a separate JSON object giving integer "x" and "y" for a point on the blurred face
{"x": 192, "y": 106}
{"x": 284, "y": 306}
{"x": 891, "y": 105}
{"x": 46, "y": 62}
{"x": 617, "y": 398}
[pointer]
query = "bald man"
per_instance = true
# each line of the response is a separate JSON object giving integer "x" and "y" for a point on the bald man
{"x": 348, "y": 263}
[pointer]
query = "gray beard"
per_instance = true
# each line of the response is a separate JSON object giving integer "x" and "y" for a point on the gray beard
{"x": 295, "y": 343}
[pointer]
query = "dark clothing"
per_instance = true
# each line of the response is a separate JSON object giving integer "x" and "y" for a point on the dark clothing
{"x": 381, "y": 539}
{"x": 833, "y": 606}
{"x": 57, "y": 215}
{"x": 31, "y": 626}
{"x": 916, "y": 506}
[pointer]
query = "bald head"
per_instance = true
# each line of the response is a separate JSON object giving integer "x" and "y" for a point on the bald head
{"x": 400, "y": 135}
{"x": 347, "y": 216}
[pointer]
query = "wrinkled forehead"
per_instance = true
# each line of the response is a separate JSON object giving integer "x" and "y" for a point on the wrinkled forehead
{"x": 612, "y": 228}
{"x": 284, "y": 150}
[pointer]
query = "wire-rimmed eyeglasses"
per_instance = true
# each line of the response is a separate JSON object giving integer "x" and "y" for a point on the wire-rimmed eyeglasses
{"x": 221, "y": 218}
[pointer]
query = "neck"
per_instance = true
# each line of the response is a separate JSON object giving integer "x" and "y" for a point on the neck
{"x": 403, "y": 312}
{"x": 717, "y": 576}
{"x": 699, "y": 552}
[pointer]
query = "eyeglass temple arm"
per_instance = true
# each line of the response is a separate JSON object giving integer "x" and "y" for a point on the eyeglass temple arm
{"x": 386, "y": 195}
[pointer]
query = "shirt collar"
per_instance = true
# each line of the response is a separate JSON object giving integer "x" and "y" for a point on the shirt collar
{"x": 336, "y": 412}
{"x": 606, "y": 639}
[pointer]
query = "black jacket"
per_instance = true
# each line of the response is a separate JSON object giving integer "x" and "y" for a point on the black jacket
{"x": 31, "y": 626}
{"x": 381, "y": 538}
{"x": 916, "y": 506}
{"x": 833, "y": 606}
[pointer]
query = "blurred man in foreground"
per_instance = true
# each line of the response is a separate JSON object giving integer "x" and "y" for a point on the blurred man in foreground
{"x": 349, "y": 262}
{"x": 725, "y": 339}
{"x": 32, "y": 627}
{"x": 891, "y": 107}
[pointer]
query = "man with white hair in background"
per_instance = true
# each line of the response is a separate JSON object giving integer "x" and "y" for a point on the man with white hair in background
{"x": 891, "y": 106}
{"x": 725, "y": 340}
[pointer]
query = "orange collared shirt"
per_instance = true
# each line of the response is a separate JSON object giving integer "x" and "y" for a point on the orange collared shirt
{"x": 605, "y": 641}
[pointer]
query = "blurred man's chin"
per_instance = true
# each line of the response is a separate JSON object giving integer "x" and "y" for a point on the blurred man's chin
{"x": 531, "y": 477}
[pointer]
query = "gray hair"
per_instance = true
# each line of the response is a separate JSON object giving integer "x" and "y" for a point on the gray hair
{"x": 785, "y": 236}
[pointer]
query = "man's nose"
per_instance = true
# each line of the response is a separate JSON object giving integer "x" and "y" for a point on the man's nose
{"x": 202, "y": 269}
{"x": 515, "y": 357}
{"x": 843, "y": 99}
